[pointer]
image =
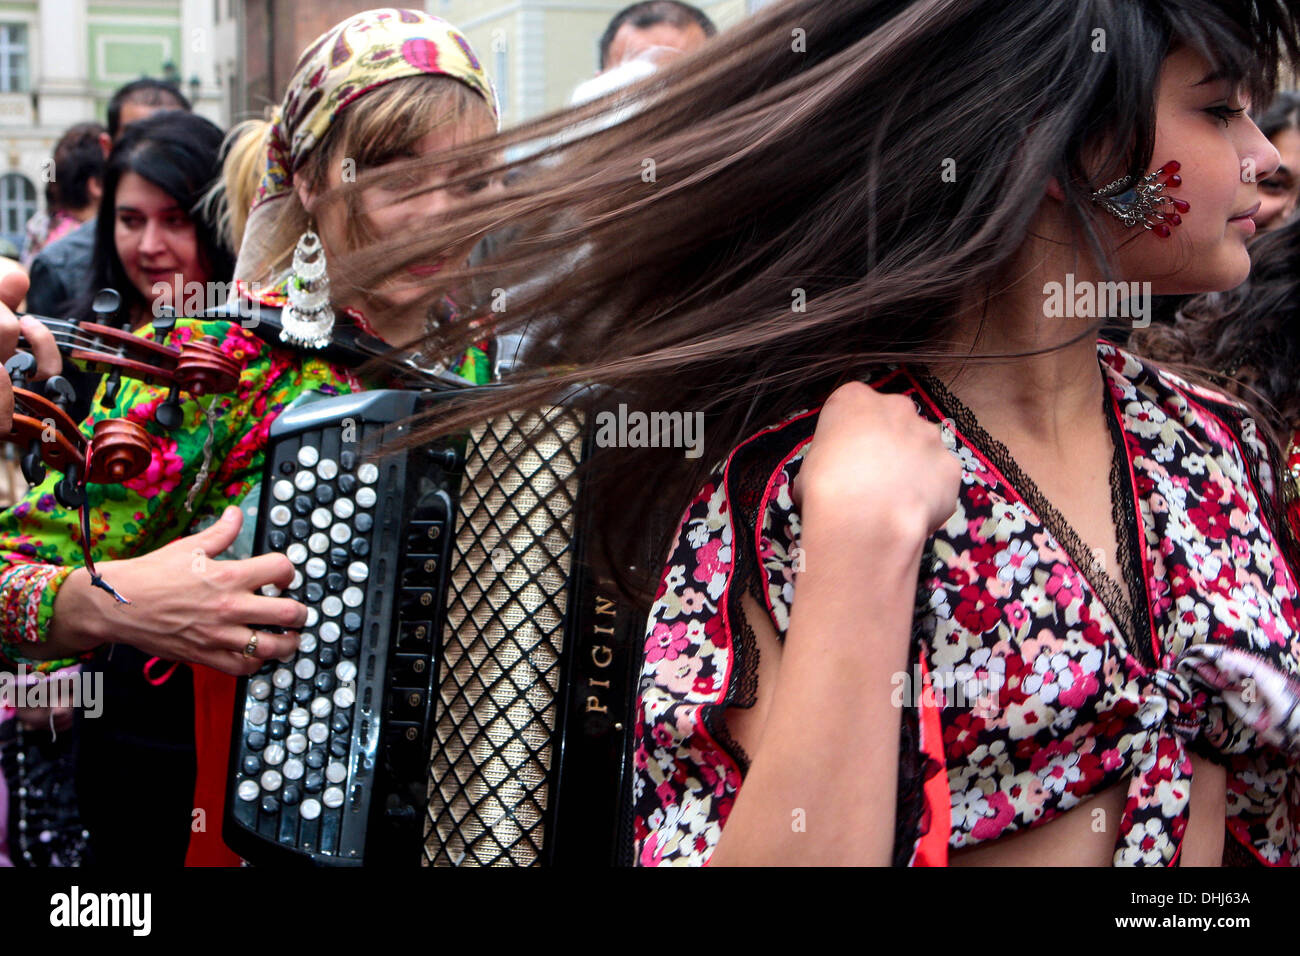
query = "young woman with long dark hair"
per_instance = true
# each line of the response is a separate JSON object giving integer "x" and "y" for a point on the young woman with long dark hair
{"x": 844, "y": 226}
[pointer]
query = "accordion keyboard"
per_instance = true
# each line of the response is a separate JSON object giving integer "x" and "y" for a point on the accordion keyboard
{"x": 322, "y": 728}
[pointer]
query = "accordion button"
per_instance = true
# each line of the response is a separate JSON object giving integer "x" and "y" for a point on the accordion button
{"x": 347, "y": 459}
{"x": 271, "y": 780}
{"x": 335, "y": 581}
{"x": 310, "y": 808}
{"x": 320, "y": 707}
{"x": 302, "y": 505}
{"x": 280, "y": 515}
{"x": 283, "y": 677}
{"x": 327, "y": 468}
{"x": 332, "y": 606}
{"x": 305, "y": 480}
{"x": 282, "y": 490}
{"x": 346, "y": 671}
{"x": 339, "y": 747}
{"x": 363, "y": 523}
{"x": 358, "y": 571}
{"x": 338, "y": 556}
{"x": 329, "y": 632}
{"x": 360, "y": 547}
{"x": 248, "y": 790}
{"x": 347, "y": 484}
{"x": 340, "y": 533}
{"x": 308, "y": 456}
{"x": 291, "y": 796}
{"x": 298, "y": 717}
{"x": 324, "y": 494}
{"x": 368, "y": 473}
{"x": 252, "y": 765}
{"x": 344, "y": 697}
{"x": 256, "y": 740}
{"x": 321, "y": 518}
{"x": 300, "y": 528}
{"x": 278, "y": 729}
{"x": 344, "y": 508}
{"x": 324, "y": 681}
{"x": 316, "y": 568}
{"x": 366, "y": 497}
{"x": 274, "y": 754}
{"x": 258, "y": 715}
{"x": 293, "y": 769}
{"x": 280, "y": 703}
{"x": 312, "y": 617}
{"x": 351, "y": 623}
{"x": 270, "y": 590}
{"x": 316, "y": 758}
{"x": 260, "y": 688}
{"x": 307, "y": 643}
{"x": 340, "y": 723}
{"x": 333, "y": 798}
{"x": 277, "y": 539}
{"x": 327, "y": 657}
{"x": 270, "y": 804}
{"x": 352, "y": 597}
{"x": 318, "y": 543}
{"x": 301, "y": 692}
{"x": 296, "y": 582}
{"x": 287, "y": 467}
{"x": 336, "y": 772}
{"x": 305, "y": 668}
{"x": 314, "y": 592}
{"x": 296, "y": 743}
{"x": 318, "y": 733}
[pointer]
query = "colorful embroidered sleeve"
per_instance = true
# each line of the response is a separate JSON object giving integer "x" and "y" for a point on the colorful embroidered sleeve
{"x": 40, "y": 540}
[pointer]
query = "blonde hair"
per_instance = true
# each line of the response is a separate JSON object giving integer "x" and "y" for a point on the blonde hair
{"x": 381, "y": 126}
{"x": 228, "y": 201}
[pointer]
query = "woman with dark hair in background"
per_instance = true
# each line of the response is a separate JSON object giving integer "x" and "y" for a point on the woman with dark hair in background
{"x": 885, "y": 192}
{"x": 1280, "y": 191}
{"x": 72, "y": 194}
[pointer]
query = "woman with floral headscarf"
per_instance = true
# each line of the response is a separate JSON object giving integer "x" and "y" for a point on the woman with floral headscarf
{"x": 423, "y": 90}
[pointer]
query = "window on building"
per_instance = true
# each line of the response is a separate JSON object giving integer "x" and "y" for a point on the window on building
{"x": 13, "y": 57}
{"x": 17, "y": 205}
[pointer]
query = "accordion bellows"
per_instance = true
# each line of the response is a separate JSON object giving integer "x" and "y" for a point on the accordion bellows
{"x": 496, "y": 703}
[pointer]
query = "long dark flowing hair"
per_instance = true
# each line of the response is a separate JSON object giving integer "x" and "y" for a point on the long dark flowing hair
{"x": 1247, "y": 340}
{"x": 180, "y": 154}
{"x": 771, "y": 215}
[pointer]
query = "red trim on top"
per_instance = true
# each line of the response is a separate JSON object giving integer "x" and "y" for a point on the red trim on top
{"x": 932, "y": 847}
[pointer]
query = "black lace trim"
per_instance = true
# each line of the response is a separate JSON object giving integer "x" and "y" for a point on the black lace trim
{"x": 1123, "y": 513}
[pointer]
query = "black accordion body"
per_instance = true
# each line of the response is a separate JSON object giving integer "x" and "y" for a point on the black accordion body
{"x": 463, "y": 691}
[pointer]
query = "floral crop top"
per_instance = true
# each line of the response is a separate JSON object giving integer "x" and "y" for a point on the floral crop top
{"x": 1076, "y": 693}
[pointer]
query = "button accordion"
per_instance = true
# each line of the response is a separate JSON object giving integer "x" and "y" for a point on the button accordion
{"x": 463, "y": 690}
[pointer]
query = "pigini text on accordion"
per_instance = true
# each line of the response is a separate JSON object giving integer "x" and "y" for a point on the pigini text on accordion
{"x": 463, "y": 690}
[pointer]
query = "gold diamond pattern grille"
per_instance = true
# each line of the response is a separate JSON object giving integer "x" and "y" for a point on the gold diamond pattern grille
{"x": 500, "y": 660}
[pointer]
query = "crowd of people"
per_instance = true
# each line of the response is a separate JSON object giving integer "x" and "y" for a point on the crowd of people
{"x": 830, "y": 230}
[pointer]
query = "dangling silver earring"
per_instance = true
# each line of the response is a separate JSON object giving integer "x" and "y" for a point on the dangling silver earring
{"x": 309, "y": 319}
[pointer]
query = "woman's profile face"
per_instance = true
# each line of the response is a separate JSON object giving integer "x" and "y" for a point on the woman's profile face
{"x": 155, "y": 237}
{"x": 1278, "y": 193}
{"x": 1201, "y": 123}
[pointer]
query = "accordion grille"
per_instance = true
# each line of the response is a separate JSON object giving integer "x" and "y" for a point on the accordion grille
{"x": 499, "y": 672}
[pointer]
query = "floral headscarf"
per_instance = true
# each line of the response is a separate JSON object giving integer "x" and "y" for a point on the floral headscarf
{"x": 356, "y": 56}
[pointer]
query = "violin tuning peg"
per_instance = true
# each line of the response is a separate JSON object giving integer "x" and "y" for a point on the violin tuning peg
{"x": 111, "y": 385}
{"x": 20, "y": 366}
{"x": 106, "y": 304}
{"x": 68, "y": 490}
{"x": 164, "y": 322}
{"x": 168, "y": 413}
{"x": 60, "y": 391}
{"x": 32, "y": 466}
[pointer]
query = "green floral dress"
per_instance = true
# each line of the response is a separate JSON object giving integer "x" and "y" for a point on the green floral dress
{"x": 40, "y": 540}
